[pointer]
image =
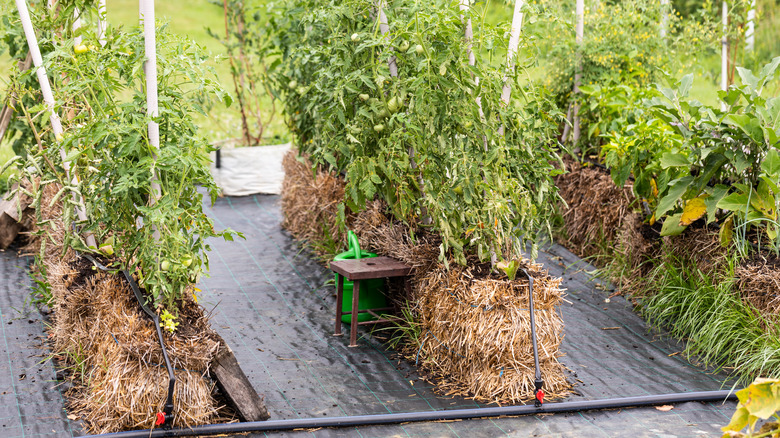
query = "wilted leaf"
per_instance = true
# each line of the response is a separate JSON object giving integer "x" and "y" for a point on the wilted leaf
{"x": 726, "y": 232}
{"x": 693, "y": 210}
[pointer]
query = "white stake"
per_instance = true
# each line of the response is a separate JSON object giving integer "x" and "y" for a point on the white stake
{"x": 76, "y": 26}
{"x": 514, "y": 41}
{"x": 48, "y": 98}
{"x": 580, "y": 29}
{"x": 724, "y": 55}
{"x": 384, "y": 28}
{"x": 102, "y": 22}
{"x": 664, "y": 17}
{"x": 750, "y": 32}
{"x": 150, "y": 68}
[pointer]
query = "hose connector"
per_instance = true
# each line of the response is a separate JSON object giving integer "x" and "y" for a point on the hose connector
{"x": 538, "y": 393}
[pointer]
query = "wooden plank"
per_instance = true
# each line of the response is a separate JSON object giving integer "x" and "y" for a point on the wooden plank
{"x": 10, "y": 225}
{"x": 365, "y": 269}
{"x": 233, "y": 383}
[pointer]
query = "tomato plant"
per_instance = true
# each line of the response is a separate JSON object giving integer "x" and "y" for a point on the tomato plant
{"x": 418, "y": 139}
{"x": 100, "y": 97}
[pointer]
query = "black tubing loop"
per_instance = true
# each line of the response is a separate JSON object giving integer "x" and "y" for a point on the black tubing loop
{"x": 455, "y": 414}
{"x": 139, "y": 295}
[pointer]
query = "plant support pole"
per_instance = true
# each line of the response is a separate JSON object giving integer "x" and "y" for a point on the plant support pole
{"x": 48, "y": 98}
{"x": 750, "y": 31}
{"x": 514, "y": 42}
{"x": 469, "y": 35}
{"x": 152, "y": 105}
{"x": 724, "y": 55}
{"x": 102, "y": 22}
{"x": 580, "y": 33}
{"x": 664, "y": 17}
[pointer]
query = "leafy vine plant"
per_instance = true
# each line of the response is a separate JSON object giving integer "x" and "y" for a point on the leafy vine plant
{"x": 405, "y": 117}
{"x": 100, "y": 99}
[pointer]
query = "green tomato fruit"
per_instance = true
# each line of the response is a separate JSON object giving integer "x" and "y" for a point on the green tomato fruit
{"x": 80, "y": 48}
{"x": 394, "y": 104}
{"x": 165, "y": 265}
{"x": 293, "y": 84}
{"x": 186, "y": 261}
{"x": 363, "y": 97}
{"x": 404, "y": 46}
{"x": 419, "y": 49}
{"x": 355, "y": 38}
{"x": 443, "y": 69}
{"x": 379, "y": 128}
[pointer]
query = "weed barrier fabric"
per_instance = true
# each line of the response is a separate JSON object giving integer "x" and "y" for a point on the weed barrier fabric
{"x": 275, "y": 306}
{"x": 272, "y": 305}
{"x": 31, "y": 402}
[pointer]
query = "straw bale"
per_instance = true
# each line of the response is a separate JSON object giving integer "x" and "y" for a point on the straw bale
{"x": 596, "y": 208}
{"x": 758, "y": 281}
{"x": 99, "y": 333}
{"x": 701, "y": 246}
{"x": 413, "y": 246}
{"x": 310, "y": 199}
{"x": 476, "y": 333}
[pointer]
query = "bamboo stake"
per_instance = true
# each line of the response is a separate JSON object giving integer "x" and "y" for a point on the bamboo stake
{"x": 724, "y": 55}
{"x": 152, "y": 105}
{"x": 102, "y": 22}
{"x": 580, "y": 30}
{"x": 48, "y": 98}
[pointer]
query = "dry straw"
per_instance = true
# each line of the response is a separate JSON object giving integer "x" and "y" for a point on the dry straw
{"x": 99, "y": 332}
{"x": 474, "y": 329}
{"x": 596, "y": 207}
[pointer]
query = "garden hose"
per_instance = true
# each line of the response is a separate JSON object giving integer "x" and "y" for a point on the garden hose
{"x": 538, "y": 382}
{"x": 164, "y": 418}
{"x": 445, "y": 415}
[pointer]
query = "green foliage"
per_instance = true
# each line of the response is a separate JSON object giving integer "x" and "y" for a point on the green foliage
{"x": 622, "y": 46}
{"x": 759, "y": 401}
{"x": 417, "y": 140}
{"x": 101, "y": 101}
{"x": 719, "y": 328}
{"x": 242, "y": 39}
{"x": 722, "y": 153}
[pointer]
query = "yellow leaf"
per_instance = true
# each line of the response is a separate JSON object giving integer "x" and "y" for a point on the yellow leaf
{"x": 654, "y": 187}
{"x": 694, "y": 209}
{"x": 726, "y": 231}
{"x": 652, "y": 220}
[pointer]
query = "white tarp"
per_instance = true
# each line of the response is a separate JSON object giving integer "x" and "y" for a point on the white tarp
{"x": 250, "y": 170}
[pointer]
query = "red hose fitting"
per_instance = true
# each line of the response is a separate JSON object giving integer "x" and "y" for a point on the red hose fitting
{"x": 160, "y": 419}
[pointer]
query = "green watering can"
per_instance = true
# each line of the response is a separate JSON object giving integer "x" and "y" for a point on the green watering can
{"x": 371, "y": 295}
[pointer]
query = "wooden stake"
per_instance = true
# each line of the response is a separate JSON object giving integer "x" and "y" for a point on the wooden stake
{"x": 514, "y": 42}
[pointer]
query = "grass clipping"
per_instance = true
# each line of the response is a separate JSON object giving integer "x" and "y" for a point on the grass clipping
{"x": 110, "y": 347}
{"x": 472, "y": 331}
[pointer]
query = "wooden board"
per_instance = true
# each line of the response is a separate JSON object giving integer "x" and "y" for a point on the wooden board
{"x": 10, "y": 225}
{"x": 375, "y": 267}
{"x": 236, "y": 387}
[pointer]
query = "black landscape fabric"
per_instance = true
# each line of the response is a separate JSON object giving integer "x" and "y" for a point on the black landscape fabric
{"x": 275, "y": 307}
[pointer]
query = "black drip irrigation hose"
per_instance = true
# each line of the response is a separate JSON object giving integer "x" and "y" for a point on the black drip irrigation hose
{"x": 164, "y": 418}
{"x": 538, "y": 382}
{"x": 455, "y": 414}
